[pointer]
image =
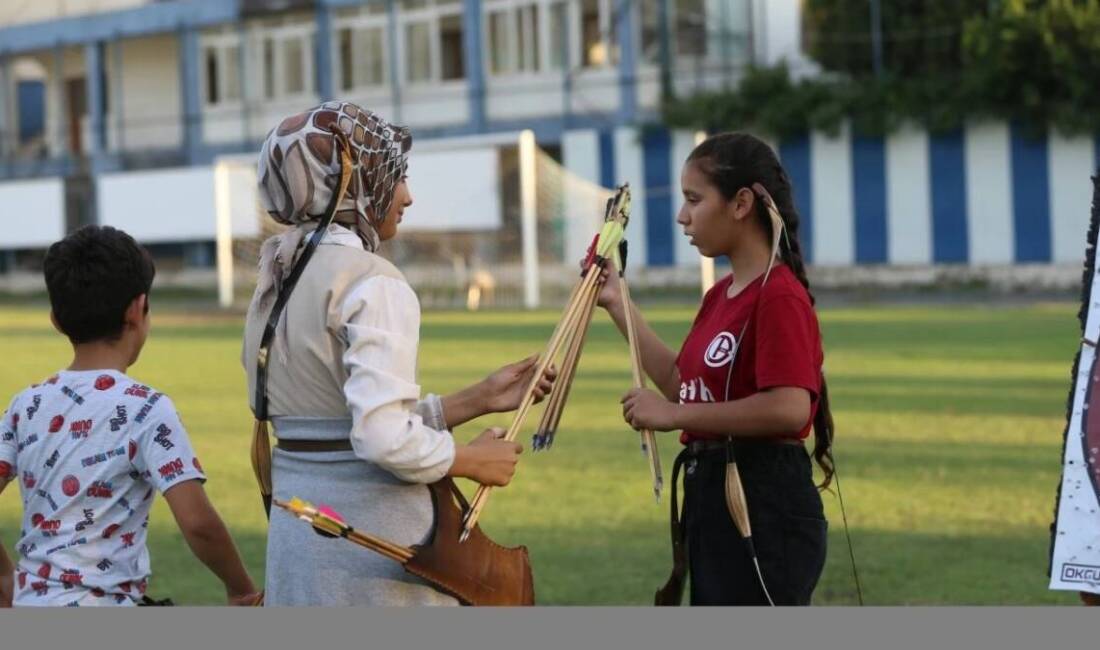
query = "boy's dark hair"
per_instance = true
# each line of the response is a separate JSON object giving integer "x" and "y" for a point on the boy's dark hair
{"x": 92, "y": 277}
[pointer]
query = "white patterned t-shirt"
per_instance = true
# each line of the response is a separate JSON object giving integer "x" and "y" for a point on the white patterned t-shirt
{"x": 88, "y": 448}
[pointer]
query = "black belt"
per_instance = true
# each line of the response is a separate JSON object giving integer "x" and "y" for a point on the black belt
{"x": 696, "y": 447}
{"x": 313, "y": 446}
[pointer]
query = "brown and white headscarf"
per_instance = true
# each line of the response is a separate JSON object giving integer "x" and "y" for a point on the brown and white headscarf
{"x": 299, "y": 169}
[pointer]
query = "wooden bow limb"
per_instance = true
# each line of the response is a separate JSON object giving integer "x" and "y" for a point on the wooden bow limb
{"x": 569, "y": 320}
{"x": 649, "y": 440}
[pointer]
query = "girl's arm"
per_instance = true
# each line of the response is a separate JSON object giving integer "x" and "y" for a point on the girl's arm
{"x": 774, "y": 411}
{"x": 658, "y": 360}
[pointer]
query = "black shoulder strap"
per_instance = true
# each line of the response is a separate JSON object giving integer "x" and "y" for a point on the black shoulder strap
{"x": 260, "y": 409}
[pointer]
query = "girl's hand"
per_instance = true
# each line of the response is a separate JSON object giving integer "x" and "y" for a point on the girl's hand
{"x": 609, "y": 296}
{"x": 504, "y": 388}
{"x": 646, "y": 409}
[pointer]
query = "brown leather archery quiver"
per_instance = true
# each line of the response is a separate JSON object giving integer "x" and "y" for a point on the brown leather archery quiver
{"x": 478, "y": 571}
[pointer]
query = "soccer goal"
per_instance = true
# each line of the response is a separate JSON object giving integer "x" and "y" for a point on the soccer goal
{"x": 496, "y": 220}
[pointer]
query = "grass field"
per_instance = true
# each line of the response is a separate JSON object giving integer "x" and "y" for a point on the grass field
{"x": 949, "y": 429}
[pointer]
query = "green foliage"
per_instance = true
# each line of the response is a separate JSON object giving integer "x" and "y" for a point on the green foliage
{"x": 945, "y": 63}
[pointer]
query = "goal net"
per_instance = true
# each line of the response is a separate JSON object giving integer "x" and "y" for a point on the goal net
{"x": 495, "y": 221}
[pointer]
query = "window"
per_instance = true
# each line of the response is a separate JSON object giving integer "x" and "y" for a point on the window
{"x": 286, "y": 60}
{"x": 451, "y": 47}
{"x": 362, "y": 38}
{"x": 432, "y": 33}
{"x": 418, "y": 48}
{"x": 593, "y": 45}
{"x": 221, "y": 65}
{"x": 526, "y": 36}
{"x": 691, "y": 28}
{"x": 212, "y": 94}
{"x": 687, "y": 29}
{"x": 558, "y": 36}
{"x": 294, "y": 67}
{"x": 362, "y": 57}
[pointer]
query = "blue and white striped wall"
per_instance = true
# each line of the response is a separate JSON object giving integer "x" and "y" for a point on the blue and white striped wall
{"x": 988, "y": 194}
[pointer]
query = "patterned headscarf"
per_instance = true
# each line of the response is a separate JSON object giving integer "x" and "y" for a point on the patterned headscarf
{"x": 299, "y": 168}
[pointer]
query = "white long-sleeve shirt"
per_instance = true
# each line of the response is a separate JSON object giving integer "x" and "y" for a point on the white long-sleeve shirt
{"x": 347, "y": 347}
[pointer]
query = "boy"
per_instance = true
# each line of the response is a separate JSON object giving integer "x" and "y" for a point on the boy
{"x": 89, "y": 445}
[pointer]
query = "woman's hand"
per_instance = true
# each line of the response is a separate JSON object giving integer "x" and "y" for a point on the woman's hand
{"x": 646, "y": 409}
{"x": 488, "y": 459}
{"x": 504, "y": 389}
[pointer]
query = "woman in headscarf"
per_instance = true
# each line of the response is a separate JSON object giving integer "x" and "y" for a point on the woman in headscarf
{"x": 340, "y": 367}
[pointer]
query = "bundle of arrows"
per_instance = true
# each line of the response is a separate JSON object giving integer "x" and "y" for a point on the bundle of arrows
{"x": 568, "y": 339}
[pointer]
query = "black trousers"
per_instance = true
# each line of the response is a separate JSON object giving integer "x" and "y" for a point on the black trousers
{"x": 788, "y": 527}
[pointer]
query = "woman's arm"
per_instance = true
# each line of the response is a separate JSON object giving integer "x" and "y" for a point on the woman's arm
{"x": 380, "y": 320}
{"x": 775, "y": 411}
{"x": 500, "y": 392}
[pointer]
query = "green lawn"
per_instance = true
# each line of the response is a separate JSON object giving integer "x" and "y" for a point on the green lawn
{"x": 949, "y": 428}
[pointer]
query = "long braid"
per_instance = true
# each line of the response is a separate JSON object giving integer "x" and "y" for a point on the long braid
{"x": 734, "y": 161}
{"x": 823, "y": 418}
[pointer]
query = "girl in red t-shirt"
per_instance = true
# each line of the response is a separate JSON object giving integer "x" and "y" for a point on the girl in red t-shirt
{"x": 746, "y": 384}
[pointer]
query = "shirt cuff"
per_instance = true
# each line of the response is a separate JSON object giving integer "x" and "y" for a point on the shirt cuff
{"x": 430, "y": 410}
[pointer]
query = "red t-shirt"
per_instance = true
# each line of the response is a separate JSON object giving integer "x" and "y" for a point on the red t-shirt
{"x": 781, "y": 345}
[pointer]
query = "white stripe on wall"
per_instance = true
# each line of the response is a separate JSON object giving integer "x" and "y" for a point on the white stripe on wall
{"x": 908, "y": 198}
{"x": 1071, "y": 165}
{"x": 831, "y": 178}
{"x": 630, "y": 167}
{"x": 682, "y": 144}
{"x": 580, "y": 153}
{"x": 989, "y": 194}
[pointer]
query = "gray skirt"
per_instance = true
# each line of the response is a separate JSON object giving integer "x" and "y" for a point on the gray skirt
{"x": 307, "y": 569}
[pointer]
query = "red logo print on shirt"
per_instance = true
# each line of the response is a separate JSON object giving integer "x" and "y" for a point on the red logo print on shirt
{"x": 132, "y": 450}
{"x": 80, "y": 429}
{"x": 137, "y": 390}
{"x": 721, "y": 350}
{"x": 70, "y": 485}
{"x": 28, "y": 480}
{"x": 171, "y": 469}
{"x": 100, "y": 489}
{"x": 14, "y": 420}
{"x": 22, "y": 579}
{"x": 103, "y": 382}
{"x": 128, "y": 539}
{"x": 5, "y": 469}
{"x": 71, "y": 577}
{"x": 44, "y": 571}
{"x": 37, "y": 519}
{"x": 56, "y": 422}
{"x": 110, "y": 530}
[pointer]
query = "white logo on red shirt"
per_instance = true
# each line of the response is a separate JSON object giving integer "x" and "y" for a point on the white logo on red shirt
{"x": 720, "y": 351}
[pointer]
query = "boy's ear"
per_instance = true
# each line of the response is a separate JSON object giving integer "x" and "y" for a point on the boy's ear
{"x": 56, "y": 325}
{"x": 136, "y": 311}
